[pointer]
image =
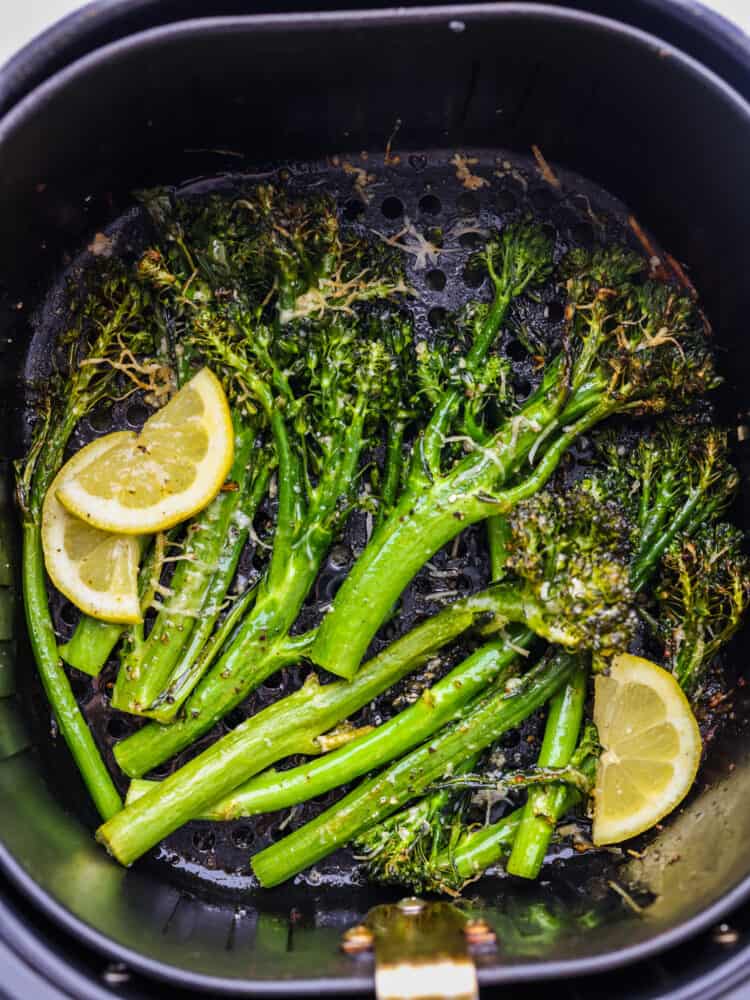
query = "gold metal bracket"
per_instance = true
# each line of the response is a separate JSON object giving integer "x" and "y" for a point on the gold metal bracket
{"x": 423, "y": 951}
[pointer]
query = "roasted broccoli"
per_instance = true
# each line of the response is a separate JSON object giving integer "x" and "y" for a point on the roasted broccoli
{"x": 630, "y": 348}
{"x": 703, "y": 594}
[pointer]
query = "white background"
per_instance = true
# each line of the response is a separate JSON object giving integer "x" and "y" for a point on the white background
{"x": 20, "y": 20}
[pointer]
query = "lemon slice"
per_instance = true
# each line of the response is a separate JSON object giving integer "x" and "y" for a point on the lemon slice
{"x": 651, "y": 748}
{"x": 96, "y": 570}
{"x": 138, "y": 484}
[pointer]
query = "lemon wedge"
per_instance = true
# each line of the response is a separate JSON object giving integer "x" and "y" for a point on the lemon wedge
{"x": 651, "y": 748}
{"x": 96, "y": 570}
{"x": 138, "y": 484}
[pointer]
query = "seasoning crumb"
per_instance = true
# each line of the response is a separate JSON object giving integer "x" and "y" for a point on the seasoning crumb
{"x": 101, "y": 246}
{"x": 463, "y": 165}
{"x": 545, "y": 170}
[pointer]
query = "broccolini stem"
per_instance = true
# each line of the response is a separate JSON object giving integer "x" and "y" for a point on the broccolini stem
{"x": 423, "y": 522}
{"x": 393, "y": 467}
{"x": 91, "y": 645}
{"x": 257, "y": 649}
{"x": 72, "y": 725}
{"x": 291, "y": 725}
{"x": 204, "y": 645}
{"x": 542, "y": 805}
{"x": 145, "y": 673}
{"x": 85, "y": 386}
{"x": 430, "y": 446}
{"x": 479, "y": 849}
{"x": 498, "y": 532}
{"x": 473, "y": 855}
{"x": 199, "y": 655}
{"x": 274, "y": 790}
{"x": 696, "y": 509}
{"x": 476, "y": 728}
{"x": 653, "y": 520}
{"x": 524, "y": 256}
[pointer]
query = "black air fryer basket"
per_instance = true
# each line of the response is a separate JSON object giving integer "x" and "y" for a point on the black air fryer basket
{"x": 643, "y": 99}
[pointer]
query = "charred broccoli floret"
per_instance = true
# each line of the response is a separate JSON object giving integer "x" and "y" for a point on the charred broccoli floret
{"x": 703, "y": 595}
{"x": 670, "y": 482}
{"x": 326, "y": 381}
{"x": 630, "y": 346}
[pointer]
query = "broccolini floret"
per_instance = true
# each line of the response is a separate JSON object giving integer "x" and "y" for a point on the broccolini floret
{"x": 703, "y": 595}
{"x": 630, "y": 347}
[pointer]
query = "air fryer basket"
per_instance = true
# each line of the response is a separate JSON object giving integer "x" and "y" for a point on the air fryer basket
{"x": 201, "y": 97}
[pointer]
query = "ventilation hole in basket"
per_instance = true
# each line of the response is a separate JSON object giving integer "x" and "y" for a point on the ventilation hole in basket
{"x": 437, "y": 317}
{"x": 392, "y": 207}
{"x": 80, "y": 685}
{"x": 137, "y": 415}
{"x": 101, "y": 419}
{"x": 204, "y": 840}
{"x": 467, "y": 204}
{"x": 243, "y": 837}
{"x": 275, "y": 681}
{"x": 117, "y": 727}
{"x": 582, "y": 232}
{"x": 522, "y": 387}
{"x": 555, "y": 312}
{"x": 429, "y": 204}
{"x": 505, "y": 201}
{"x": 436, "y": 280}
{"x": 353, "y": 209}
{"x": 69, "y": 613}
{"x": 470, "y": 241}
{"x": 516, "y": 351}
{"x": 474, "y": 274}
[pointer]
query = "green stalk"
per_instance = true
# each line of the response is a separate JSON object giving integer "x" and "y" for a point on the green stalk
{"x": 146, "y": 669}
{"x": 393, "y": 468}
{"x": 118, "y": 321}
{"x": 426, "y": 519}
{"x": 41, "y": 467}
{"x": 542, "y": 805}
{"x": 409, "y": 777}
{"x": 659, "y": 523}
{"x": 304, "y": 533}
{"x": 476, "y": 851}
{"x": 203, "y": 645}
{"x": 256, "y": 651}
{"x": 91, "y": 645}
{"x": 198, "y": 659}
{"x": 70, "y": 721}
{"x": 275, "y": 790}
{"x": 696, "y": 510}
{"x": 498, "y": 534}
{"x": 291, "y": 725}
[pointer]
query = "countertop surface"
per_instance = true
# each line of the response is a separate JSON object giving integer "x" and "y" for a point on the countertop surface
{"x": 20, "y": 20}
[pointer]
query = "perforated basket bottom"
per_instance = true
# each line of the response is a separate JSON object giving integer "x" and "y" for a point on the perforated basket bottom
{"x": 443, "y": 214}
